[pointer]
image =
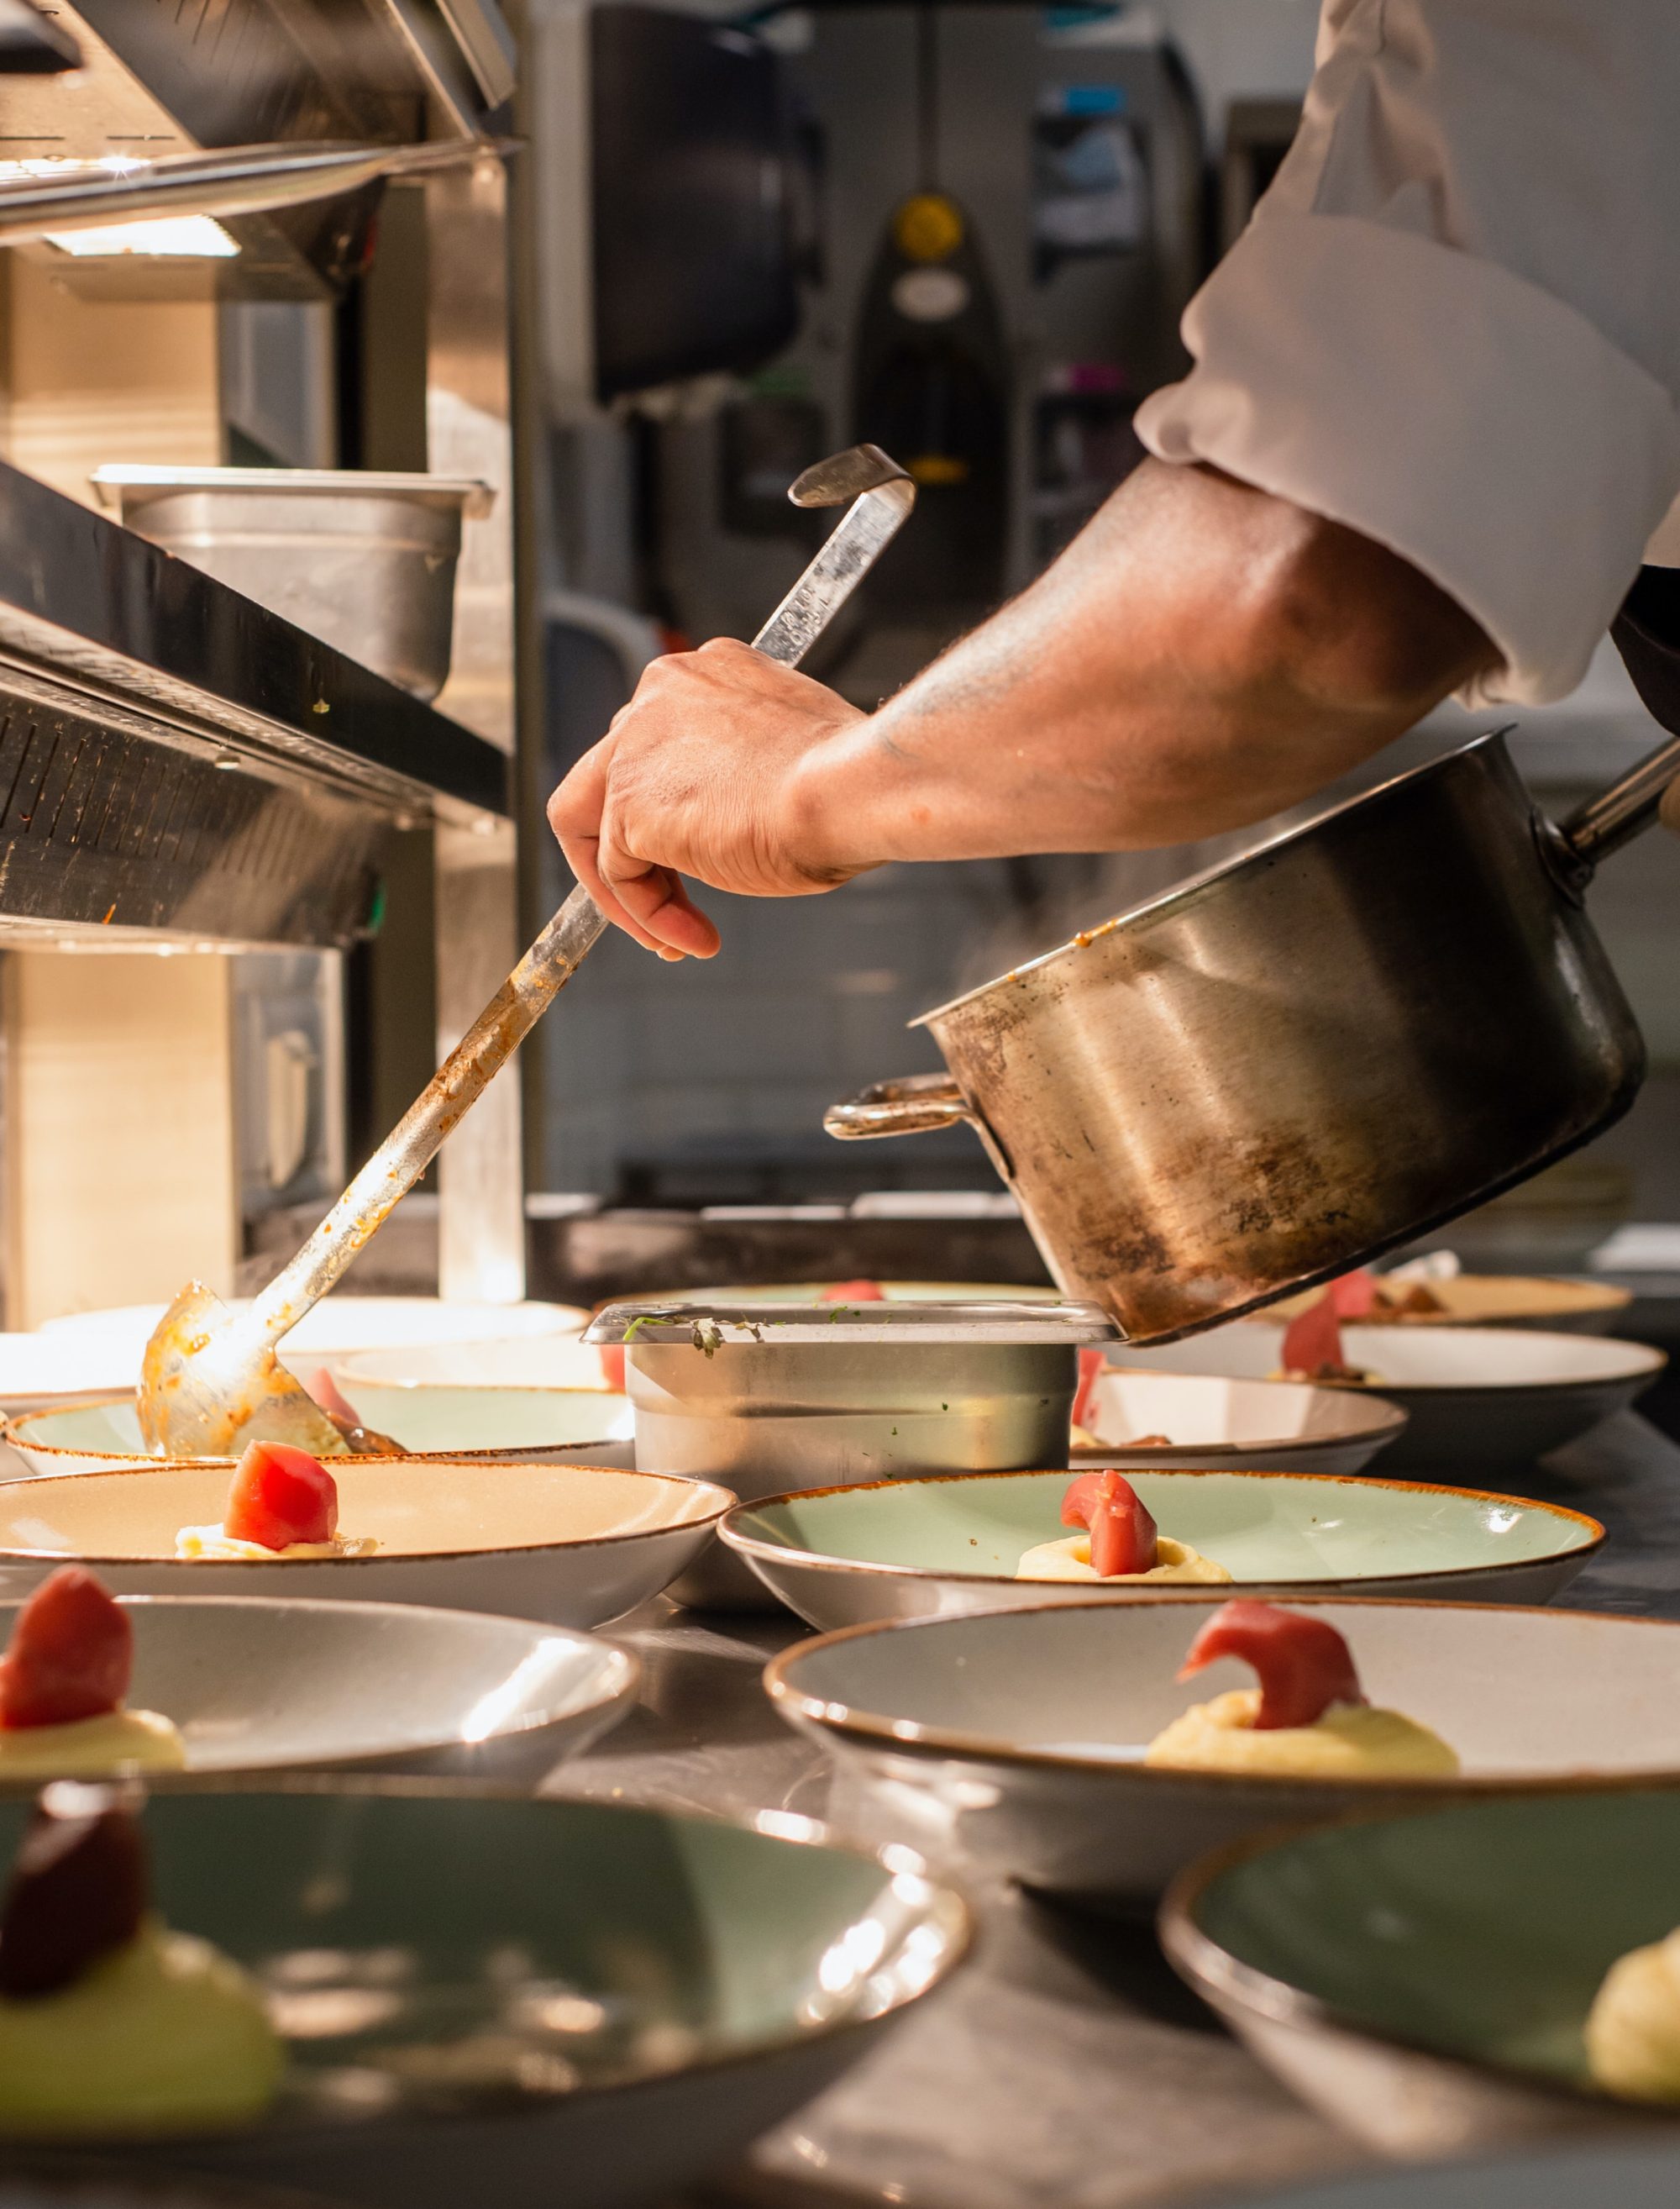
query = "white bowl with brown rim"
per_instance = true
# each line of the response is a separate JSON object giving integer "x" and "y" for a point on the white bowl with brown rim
{"x": 570, "y": 1544}
{"x": 1016, "y": 1739}
{"x": 1210, "y": 1419}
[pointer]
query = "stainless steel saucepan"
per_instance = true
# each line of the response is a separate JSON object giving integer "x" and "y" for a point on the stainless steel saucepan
{"x": 1297, "y": 1061}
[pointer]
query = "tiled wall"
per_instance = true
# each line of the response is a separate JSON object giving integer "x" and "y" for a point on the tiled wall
{"x": 707, "y": 1081}
{"x": 727, "y": 1065}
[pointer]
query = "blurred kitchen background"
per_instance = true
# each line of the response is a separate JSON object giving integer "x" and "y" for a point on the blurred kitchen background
{"x": 735, "y": 242}
{"x": 1092, "y": 162}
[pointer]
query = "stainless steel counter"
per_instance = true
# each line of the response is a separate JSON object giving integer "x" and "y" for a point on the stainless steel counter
{"x": 1065, "y": 2065}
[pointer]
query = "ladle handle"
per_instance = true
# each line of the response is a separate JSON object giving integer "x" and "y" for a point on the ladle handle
{"x": 1617, "y": 815}
{"x": 847, "y": 555}
{"x": 415, "y": 1140}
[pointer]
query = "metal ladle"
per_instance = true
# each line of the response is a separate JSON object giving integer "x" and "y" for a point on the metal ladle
{"x": 211, "y": 1379}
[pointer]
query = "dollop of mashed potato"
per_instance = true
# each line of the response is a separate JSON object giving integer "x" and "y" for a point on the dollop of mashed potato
{"x": 92, "y": 1748}
{"x": 167, "y": 2035}
{"x": 1633, "y": 2028}
{"x": 1350, "y": 1741}
{"x": 210, "y": 1542}
{"x": 1070, "y": 1560}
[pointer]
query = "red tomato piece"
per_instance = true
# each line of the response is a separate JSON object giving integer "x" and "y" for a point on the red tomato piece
{"x": 853, "y": 1292}
{"x": 1313, "y": 1341}
{"x": 611, "y": 1355}
{"x": 331, "y": 1398}
{"x": 1354, "y": 1294}
{"x": 1123, "y": 1534}
{"x": 1091, "y": 1364}
{"x": 280, "y": 1496}
{"x": 1303, "y": 1663}
{"x": 71, "y": 1653}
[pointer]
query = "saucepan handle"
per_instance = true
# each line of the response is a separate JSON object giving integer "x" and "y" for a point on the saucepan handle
{"x": 912, "y": 1105}
{"x": 1617, "y": 815}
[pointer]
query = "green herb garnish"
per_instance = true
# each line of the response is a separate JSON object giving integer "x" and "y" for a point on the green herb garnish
{"x": 648, "y": 1319}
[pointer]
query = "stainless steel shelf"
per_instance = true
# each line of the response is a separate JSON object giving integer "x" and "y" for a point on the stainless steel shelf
{"x": 175, "y": 759}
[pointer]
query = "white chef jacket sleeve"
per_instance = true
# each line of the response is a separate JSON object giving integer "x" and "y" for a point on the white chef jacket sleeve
{"x": 1454, "y": 323}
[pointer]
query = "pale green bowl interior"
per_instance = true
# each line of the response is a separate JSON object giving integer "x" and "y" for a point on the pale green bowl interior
{"x": 895, "y": 1292}
{"x": 1482, "y": 1932}
{"x": 1262, "y": 1527}
{"x": 620, "y": 1942}
{"x": 421, "y": 1419}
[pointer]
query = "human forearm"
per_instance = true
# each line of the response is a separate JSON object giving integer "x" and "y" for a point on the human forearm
{"x": 1202, "y": 656}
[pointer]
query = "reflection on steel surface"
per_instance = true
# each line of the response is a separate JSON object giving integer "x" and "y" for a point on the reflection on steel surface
{"x": 1294, "y": 1062}
{"x": 102, "y": 825}
{"x": 54, "y": 196}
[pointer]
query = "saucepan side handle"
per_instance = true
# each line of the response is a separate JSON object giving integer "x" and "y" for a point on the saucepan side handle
{"x": 1616, "y": 816}
{"x": 915, "y": 1104}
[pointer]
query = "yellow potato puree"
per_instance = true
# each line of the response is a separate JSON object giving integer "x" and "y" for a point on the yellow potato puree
{"x": 1350, "y": 1741}
{"x": 210, "y": 1544}
{"x": 1633, "y": 2028}
{"x": 1070, "y": 1560}
{"x": 167, "y": 2035}
{"x": 92, "y": 1748}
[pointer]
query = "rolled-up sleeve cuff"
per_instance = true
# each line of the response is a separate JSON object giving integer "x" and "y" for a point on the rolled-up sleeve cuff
{"x": 1443, "y": 407}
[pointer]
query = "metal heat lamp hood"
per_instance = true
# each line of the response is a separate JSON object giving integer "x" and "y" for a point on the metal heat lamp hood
{"x": 176, "y": 762}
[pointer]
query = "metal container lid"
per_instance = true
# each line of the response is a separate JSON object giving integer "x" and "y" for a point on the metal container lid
{"x": 711, "y": 1327}
{"x": 473, "y": 496}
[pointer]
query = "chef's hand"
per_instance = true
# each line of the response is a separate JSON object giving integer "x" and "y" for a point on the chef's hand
{"x": 1202, "y": 655}
{"x": 701, "y": 774}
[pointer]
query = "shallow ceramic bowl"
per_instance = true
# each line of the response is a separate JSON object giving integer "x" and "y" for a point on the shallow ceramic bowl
{"x": 1017, "y": 1737}
{"x": 543, "y": 1361}
{"x": 1551, "y": 1301}
{"x": 1642, "y": 2175}
{"x": 103, "y": 1436}
{"x": 526, "y": 2001}
{"x": 259, "y": 1685}
{"x": 97, "y": 2186}
{"x": 951, "y": 1543}
{"x": 1481, "y": 1399}
{"x": 340, "y": 1325}
{"x": 1424, "y": 1980}
{"x": 894, "y": 1292}
{"x": 1252, "y": 1424}
{"x": 572, "y": 1544}
{"x": 40, "y": 1370}
{"x": 462, "y": 1421}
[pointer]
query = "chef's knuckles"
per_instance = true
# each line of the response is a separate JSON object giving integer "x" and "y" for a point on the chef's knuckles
{"x": 700, "y": 775}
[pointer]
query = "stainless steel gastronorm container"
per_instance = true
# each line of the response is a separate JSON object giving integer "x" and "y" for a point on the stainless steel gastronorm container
{"x": 1304, "y": 1057}
{"x": 769, "y": 1398}
{"x": 364, "y": 561}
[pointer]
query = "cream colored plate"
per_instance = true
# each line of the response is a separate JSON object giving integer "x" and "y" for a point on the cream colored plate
{"x": 1545, "y": 1300}
{"x": 572, "y": 1544}
{"x": 340, "y": 1325}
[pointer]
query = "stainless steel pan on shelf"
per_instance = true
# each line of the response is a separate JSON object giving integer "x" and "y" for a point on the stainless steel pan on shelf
{"x": 1303, "y": 1058}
